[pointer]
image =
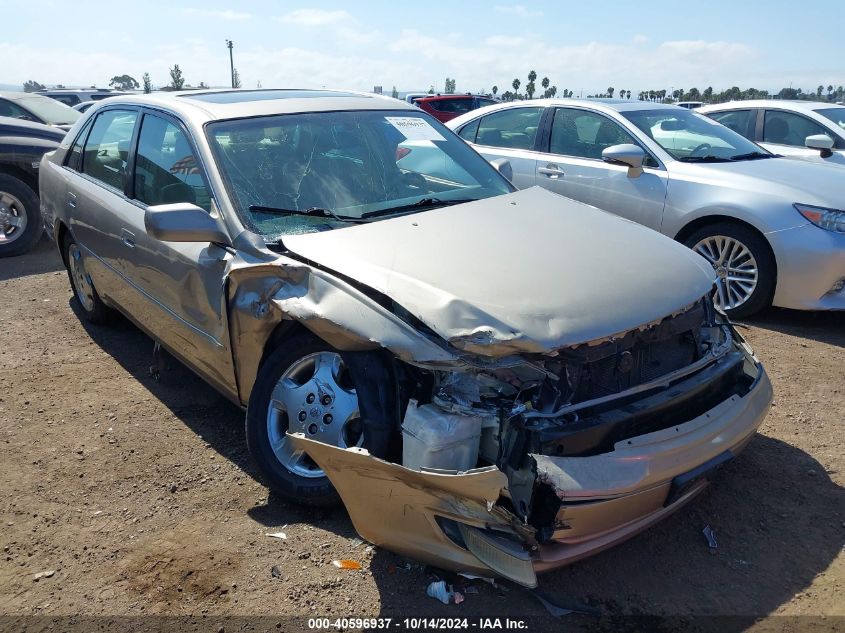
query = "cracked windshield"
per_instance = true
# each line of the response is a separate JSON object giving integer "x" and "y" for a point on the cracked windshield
{"x": 302, "y": 173}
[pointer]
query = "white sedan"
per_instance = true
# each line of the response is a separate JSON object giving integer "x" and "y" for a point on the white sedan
{"x": 809, "y": 130}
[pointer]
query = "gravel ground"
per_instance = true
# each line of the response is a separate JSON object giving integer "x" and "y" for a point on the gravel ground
{"x": 139, "y": 497}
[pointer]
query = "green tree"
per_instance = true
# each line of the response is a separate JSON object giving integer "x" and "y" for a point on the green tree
{"x": 236, "y": 79}
{"x": 32, "y": 86}
{"x": 516, "y": 83}
{"x": 431, "y": 90}
{"x": 123, "y": 82}
{"x": 494, "y": 90}
{"x": 830, "y": 93}
{"x": 545, "y": 83}
{"x": 177, "y": 81}
{"x": 394, "y": 94}
{"x": 610, "y": 92}
{"x": 148, "y": 84}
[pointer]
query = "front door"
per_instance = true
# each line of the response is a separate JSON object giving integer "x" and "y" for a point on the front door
{"x": 573, "y": 167}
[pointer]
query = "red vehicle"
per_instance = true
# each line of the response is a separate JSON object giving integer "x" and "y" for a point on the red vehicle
{"x": 447, "y": 107}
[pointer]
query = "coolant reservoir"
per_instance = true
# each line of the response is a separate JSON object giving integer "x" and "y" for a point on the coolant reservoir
{"x": 434, "y": 438}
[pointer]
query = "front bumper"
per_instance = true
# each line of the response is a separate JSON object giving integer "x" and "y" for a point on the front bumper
{"x": 810, "y": 261}
{"x": 610, "y": 497}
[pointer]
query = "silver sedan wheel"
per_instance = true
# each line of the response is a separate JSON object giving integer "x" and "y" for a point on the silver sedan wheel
{"x": 735, "y": 266}
{"x": 314, "y": 397}
{"x": 12, "y": 218}
{"x": 81, "y": 281}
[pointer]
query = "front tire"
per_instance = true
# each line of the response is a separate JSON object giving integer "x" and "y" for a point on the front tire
{"x": 303, "y": 386}
{"x": 744, "y": 264}
{"x": 20, "y": 217}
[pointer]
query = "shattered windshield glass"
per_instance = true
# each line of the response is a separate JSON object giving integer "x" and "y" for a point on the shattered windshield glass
{"x": 300, "y": 173}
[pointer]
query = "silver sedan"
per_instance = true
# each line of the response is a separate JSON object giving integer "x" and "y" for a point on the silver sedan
{"x": 773, "y": 229}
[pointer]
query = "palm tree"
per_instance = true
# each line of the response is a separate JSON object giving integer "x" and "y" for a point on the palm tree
{"x": 516, "y": 84}
{"x": 610, "y": 92}
{"x": 495, "y": 89}
{"x": 830, "y": 93}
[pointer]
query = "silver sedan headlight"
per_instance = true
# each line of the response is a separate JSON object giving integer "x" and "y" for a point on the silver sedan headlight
{"x": 828, "y": 219}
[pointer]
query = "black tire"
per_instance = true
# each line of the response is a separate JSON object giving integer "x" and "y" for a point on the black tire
{"x": 93, "y": 309}
{"x": 28, "y": 200}
{"x": 314, "y": 491}
{"x": 761, "y": 296}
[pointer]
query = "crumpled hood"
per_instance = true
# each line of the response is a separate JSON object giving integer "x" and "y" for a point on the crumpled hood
{"x": 529, "y": 271}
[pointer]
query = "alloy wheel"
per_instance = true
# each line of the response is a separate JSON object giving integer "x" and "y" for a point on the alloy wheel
{"x": 12, "y": 218}
{"x": 315, "y": 397}
{"x": 737, "y": 274}
{"x": 82, "y": 285}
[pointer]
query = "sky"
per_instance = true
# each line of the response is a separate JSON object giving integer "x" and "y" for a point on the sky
{"x": 582, "y": 46}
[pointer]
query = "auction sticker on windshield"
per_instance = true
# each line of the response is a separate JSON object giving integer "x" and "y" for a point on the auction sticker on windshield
{"x": 414, "y": 128}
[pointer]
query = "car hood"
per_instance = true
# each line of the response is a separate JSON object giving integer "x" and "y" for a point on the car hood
{"x": 529, "y": 271}
{"x": 800, "y": 181}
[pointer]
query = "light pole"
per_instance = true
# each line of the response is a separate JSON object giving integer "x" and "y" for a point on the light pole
{"x": 231, "y": 62}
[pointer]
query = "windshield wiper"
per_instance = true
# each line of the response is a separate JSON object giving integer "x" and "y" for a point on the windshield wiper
{"x": 752, "y": 156}
{"x": 704, "y": 159}
{"x": 423, "y": 203}
{"x": 312, "y": 211}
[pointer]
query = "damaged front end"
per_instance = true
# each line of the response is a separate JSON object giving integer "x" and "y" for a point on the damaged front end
{"x": 518, "y": 464}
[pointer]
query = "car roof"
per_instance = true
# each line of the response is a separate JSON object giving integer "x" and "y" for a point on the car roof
{"x": 782, "y": 104}
{"x": 616, "y": 105}
{"x": 202, "y": 106}
{"x": 11, "y": 95}
{"x": 463, "y": 95}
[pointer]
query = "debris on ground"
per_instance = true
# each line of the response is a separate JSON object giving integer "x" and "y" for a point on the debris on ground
{"x": 560, "y": 605}
{"x": 275, "y": 572}
{"x": 710, "y": 535}
{"x": 439, "y": 591}
{"x": 346, "y": 564}
{"x": 43, "y": 574}
{"x": 279, "y": 535}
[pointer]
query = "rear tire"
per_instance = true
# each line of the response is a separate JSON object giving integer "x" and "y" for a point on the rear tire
{"x": 744, "y": 264}
{"x": 20, "y": 217}
{"x": 92, "y": 307}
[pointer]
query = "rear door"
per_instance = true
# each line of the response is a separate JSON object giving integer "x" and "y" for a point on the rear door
{"x": 99, "y": 208}
{"x": 572, "y": 166}
{"x": 511, "y": 133}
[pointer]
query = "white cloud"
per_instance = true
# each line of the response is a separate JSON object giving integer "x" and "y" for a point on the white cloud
{"x": 639, "y": 39}
{"x": 519, "y": 10}
{"x": 315, "y": 17}
{"x": 225, "y": 14}
{"x": 504, "y": 41}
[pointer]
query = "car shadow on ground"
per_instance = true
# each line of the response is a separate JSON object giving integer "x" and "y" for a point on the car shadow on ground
{"x": 824, "y": 327}
{"x": 200, "y": 408}
{"x": 43, "y": 258}
{"x": 775, "y": 510}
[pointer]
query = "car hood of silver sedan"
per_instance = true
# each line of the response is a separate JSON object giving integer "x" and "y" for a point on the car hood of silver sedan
{"x": 528, "y": 272}
{"x": 795, "y": 180}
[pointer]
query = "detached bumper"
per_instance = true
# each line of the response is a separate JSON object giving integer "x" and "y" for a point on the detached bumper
{"x": 610, "y": 497}
{"x": 810, "y": 261}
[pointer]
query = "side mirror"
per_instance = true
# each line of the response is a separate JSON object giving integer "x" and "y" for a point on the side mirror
{"x": 821, "y": 142}
{"x": 625, "y": 154}
{"x": 503, "y": 166}
{"x": 184, "y": 222}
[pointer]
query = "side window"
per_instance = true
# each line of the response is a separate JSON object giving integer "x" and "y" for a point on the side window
{"x": 515, "y": 128}
{"x": 469, "y": 131}
{"x": 166, "y": 168}
{"x": 74, "y": 156}
{"x": 786, "y": 128}
{"x": 68, "y": 100}
{"x": 8, "y": 108}
{"x": 107, "y": 148}
{"x": 585, "y": 134}
{"x": 740, "y": 121}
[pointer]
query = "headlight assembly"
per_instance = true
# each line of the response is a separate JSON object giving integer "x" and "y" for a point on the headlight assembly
{"x": 828, "y": 219}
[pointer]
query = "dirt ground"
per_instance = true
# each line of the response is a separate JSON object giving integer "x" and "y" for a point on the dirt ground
{"x": 141, "y": 498}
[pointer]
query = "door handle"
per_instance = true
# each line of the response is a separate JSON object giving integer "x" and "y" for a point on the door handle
{"x": 71, "y": 200}
{"x": 551, "y": 170}
{"x": 128, "y": 238}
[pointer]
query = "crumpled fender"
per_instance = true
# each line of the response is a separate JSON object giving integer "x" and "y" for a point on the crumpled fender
{"x": 263, "y": 296}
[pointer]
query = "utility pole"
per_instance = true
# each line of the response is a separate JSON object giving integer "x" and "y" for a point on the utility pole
{"x": 231, "y": 62}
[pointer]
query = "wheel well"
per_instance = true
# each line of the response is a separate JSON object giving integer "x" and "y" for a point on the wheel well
{"x": 284, "y": 331}
{"x": 21, "y": 174}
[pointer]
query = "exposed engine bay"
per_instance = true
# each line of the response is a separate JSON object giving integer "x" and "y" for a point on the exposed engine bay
{"x": 579, "y": 402}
